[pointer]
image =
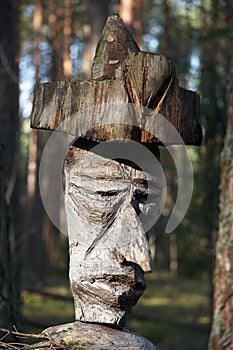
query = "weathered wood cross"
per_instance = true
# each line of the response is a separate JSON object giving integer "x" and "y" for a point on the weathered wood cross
{"x": 106, "y": 198}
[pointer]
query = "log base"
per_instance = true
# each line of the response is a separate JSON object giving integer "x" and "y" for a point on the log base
{"x": 91, "y": 336}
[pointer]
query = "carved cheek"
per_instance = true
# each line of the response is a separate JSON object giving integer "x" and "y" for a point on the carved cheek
{"x": 90, "y": 214}
{"x": 95, "y": 208}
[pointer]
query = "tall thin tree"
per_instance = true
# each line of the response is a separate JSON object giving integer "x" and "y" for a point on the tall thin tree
{"x": 131, "y": 13}
{"x": 167, "y": 50}
{"x": 221, "y": 337}
{"x": 56, "y": 13}
{"x": 97, "y": 11}
{"x": 9, "y": 295}
{"x": 35, "y": 241}
{"x": 67, "y": 34}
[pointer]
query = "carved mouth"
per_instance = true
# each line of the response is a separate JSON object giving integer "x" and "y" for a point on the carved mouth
{"x": 117, "y": 293}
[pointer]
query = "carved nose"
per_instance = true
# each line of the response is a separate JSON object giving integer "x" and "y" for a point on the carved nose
{"x": 135, "y": 246}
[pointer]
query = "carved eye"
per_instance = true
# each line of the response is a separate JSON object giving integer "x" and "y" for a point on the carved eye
{"x": 138, "y": 200}
{"x": 107, "y": 193}
{"x": 140, "y": 196}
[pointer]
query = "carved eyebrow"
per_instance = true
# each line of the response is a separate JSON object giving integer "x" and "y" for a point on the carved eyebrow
{"x": 101, "y": 184}
{"x": 103, "y": 192}
{"x": 102, "y": 177}
{"x": 113, "y": 173}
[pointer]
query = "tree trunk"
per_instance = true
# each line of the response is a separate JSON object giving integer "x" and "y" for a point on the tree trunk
{"x": 60, "y": 23}
{"x": 9, "y": 272}
{"x": 213, "y": 123}
{"x": 167, "y": 26}
{"x": 67, "y": 31}
{"x": 131, "y": 11}
{"x": 35, "y": 243}
{"x": 97, "y": 15}
{"x": 37, "y": 23}
{"x": 55, "y": 27}
{"x": 222, "y": 326}
{"x": 166, "y": 47}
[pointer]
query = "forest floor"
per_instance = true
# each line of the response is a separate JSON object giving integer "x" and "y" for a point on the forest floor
{"x": 173, "y": 312}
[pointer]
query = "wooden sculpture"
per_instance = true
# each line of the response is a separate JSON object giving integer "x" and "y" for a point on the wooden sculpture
{"x": 106, "y": 199}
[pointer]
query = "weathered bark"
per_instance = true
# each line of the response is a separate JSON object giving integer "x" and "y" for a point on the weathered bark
{"x": 222, "y": 336}
{"x": 222, "y": 326}
{"x": 113, "y": 47}
{"x": 70, "y": 107}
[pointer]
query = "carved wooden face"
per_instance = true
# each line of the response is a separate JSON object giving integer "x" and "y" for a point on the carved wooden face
{"x": 106, "y": 203}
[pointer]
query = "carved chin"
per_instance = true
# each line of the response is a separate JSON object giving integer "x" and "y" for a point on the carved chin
{"x": 106, "y": 300}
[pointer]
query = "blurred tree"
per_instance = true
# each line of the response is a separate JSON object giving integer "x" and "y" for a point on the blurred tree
{"x": 47, "y": 36}
{"x": 67, "y": 34}
{"x": 167, "y": 28}
{"x": 131, "y": 13}
{"x": 9, "y": 271}
{"x": 43, "y": 234}
{"x": 97, "y": 12}
{"x": 55, "y": 26}
{"x": 166, "y": 45}
{"x": 213, "y": 111}
{"x": 35, "y": 240}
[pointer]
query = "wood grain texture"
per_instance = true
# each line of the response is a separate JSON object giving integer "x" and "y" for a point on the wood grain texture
{"x": 112, "y": 49}
{"x": 128, "y": 86}
{"x": 77, "y": 336}
{"x": 84, "y": 108}
{"x": 109, "y": 250}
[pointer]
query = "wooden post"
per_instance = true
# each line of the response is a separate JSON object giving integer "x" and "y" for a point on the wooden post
{"x": 107, "y": 198}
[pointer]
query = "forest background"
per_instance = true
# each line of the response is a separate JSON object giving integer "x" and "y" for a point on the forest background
{"x": 55, "y": 40}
